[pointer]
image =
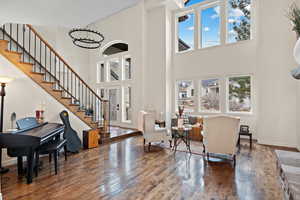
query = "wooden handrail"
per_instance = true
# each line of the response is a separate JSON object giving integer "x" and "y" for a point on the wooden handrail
{"x": 65, "y": 63}
{"x": 40, "y": 65}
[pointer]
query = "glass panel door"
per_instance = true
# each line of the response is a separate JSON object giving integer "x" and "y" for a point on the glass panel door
{"x": 114, "y": 98}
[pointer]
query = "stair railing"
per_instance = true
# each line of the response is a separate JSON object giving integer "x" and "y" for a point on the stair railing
{"x": 37, "y": 51}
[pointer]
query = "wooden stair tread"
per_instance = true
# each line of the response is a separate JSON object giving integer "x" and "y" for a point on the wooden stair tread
{"x": 13, "y": 52}
{"x": 47, "y": 82}
{"x": 56, "y": 90}
{"x": 66, "y": 98}
{"x": 38, "y": 73}
{"x": 26, "y": 63}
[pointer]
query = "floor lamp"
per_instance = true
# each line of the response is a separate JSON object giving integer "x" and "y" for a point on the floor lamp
{"x": 3, "y": 81}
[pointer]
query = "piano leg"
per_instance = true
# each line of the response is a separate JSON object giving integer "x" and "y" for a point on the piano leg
{"x": 30, "y": 166}
{"x": 20, "y": 165}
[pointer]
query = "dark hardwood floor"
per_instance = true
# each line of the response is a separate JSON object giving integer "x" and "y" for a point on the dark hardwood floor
{"x": 124, "y": 171}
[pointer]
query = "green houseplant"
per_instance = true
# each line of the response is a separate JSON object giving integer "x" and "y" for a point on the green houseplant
{"x": 294, "y": 16}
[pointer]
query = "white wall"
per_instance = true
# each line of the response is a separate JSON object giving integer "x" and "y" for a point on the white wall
{"x": 277, "y": 89}
{"x": 23, "y": 96}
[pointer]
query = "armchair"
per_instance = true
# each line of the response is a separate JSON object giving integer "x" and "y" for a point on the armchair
{"x": 151, "y": 133}
{"x": 220, "y": 135}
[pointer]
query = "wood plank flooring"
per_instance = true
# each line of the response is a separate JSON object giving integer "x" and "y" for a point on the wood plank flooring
{"x": 124, "y": 171}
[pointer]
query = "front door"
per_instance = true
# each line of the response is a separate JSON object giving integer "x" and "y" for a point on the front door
{"x": 114, "y": 98}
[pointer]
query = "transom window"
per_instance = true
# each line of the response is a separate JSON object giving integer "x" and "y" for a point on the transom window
{"x": 209, "y": 29}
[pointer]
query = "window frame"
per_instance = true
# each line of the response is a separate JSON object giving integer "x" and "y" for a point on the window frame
{"x": 226, "y": 24}
{"x": 200, "y": 95}
{"x": 251, "y": 95}
{"x": 211, "y": 4}
{"x": 120, "y": 69}
{"x": 123, "y": 103}
{"x": 99, "y": 72}
{"x": 177, "y": 97}
{"x": 180, "y": 14}
{"x": 224, "y": 14}
{"x": 123, "y": 67}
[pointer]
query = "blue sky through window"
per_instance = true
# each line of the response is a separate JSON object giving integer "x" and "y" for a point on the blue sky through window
{"x": 192, "y": 2}
{"x": 210, "y": 26}
{"x": 186, "y": 30}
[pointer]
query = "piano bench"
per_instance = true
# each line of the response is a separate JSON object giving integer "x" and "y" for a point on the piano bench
{"x": 51, "y": 148}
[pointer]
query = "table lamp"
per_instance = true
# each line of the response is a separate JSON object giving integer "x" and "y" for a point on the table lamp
{"x": 3, "y": 81}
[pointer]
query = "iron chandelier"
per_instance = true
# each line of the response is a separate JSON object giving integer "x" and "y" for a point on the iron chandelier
{"x": 86, "y": 38}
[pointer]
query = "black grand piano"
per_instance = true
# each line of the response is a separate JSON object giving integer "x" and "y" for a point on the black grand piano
{"x": 24, "y": 141}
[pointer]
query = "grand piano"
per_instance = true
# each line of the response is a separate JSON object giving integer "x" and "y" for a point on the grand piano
{"x": 40, "y": 132}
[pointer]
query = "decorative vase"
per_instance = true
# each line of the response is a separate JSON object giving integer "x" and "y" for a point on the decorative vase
{"x": 297, "y": 51}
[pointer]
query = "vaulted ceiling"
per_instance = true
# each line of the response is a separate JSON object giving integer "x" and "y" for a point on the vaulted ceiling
{"x": 67, "y": 13}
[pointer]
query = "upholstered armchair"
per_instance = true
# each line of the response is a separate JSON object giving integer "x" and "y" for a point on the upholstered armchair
{"x": 220, "y": 135}
{"x": 152, "y": 133}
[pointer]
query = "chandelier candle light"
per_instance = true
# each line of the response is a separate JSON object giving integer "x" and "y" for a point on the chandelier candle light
{"x": 86, "y": 38}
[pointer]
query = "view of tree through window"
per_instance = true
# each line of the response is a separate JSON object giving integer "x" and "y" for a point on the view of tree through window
{"x": 240, "y": 94}
{"x": 186, "y": 26}
{"x": 210, "y": 27}
{"x": 210, "y": 95}
{"x": 239, "y": 20}
{"x": 185, "y": 95}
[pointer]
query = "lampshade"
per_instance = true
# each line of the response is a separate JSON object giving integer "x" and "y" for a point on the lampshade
{"x": 6, "y": 79}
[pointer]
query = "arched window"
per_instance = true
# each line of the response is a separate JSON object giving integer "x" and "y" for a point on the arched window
{"x": 115, "y": 77}
{"x": 115, "y": 48}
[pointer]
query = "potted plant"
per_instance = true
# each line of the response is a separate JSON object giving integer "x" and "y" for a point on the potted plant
{"x": 294, "y": 16}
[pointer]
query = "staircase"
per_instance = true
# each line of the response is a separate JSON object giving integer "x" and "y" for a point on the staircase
{"x": 30, "y": 53}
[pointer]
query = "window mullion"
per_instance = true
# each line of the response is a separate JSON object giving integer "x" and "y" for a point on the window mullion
{"x": 223, "y": 15}
{"x": 197, "y": 32}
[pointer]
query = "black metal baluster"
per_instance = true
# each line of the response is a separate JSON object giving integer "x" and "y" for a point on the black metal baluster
{"x": 50, "y": 66}
{"x": 34, "y": 52}
{"x": 3, "y": 29}
{"x": 29, "y": 44}
{"x": 72, "y": 84}
{"x": 68, "y": 80}
{"x": 59, "y": 72}
{"x": 10, "y": 33}
{"x": 45, "y": 62}
{"x": 40, "y": 54}
{"x": 17, "y": 37}
{"x": 23, "y": 43}
{"x": 64, "y": 86}
{"x": 86, "y": 103}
